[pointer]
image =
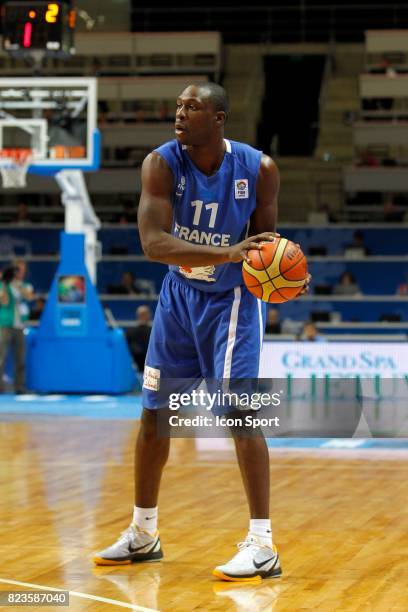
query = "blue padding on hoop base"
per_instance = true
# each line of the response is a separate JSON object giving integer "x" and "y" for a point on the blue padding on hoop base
{"x": 85, "y": 167}
{"x": 73, "y": 350}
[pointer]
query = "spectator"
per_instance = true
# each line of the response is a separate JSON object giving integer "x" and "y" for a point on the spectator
{"x": 392, "y": 213}
{"x": 402, "y": 288}
{"x": 310, "y": 333}
{"x": 131, "y": 286}
{"x": 357, "y": 248}
{"x": 367, "y": 158}
{"x": 23, "y": 215}
{"x": 103, "y": 111}
{"x": 129, "y": 282}
{"x": 37, "y": 309}
{"x": 123, "y": 219}
{"x": 322, "y": 215}
{"x": 164, "y": 113}
{"x": 347, "y": 285}
{"x": 14, "y": 293}
{"x": 273, "y": 325}
{"x": 96, "y": 67}
{"x": 128, "y": 214}
{"x": 140, "y": 113}
{"x": 138, "y": 336}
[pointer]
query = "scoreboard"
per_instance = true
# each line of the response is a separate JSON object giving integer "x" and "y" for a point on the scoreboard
{"x": 38, "y": 26}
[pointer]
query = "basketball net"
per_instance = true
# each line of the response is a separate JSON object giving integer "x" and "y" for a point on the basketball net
{"x": 14, "y": 164}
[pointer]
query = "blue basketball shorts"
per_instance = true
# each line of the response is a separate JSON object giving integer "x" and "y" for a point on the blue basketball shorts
{"x": 200, "y": 335}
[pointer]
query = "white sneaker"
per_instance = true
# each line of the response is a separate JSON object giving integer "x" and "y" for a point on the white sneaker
{"x": 253, "y": 562}
{"x": 133, "y": 546}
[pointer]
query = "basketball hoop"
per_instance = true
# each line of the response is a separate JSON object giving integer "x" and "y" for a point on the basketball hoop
{"x": 14, "y": 165}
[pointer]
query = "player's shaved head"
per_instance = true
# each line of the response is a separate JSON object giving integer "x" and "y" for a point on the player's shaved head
{"x": 216, "y": 95}
{"x": 201, "y": 113}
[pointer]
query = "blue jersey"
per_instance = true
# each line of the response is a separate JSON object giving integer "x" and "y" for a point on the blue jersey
{"x": 212, "y": 210}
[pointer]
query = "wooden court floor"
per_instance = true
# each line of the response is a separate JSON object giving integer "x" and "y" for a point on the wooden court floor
{"x": 341, "y": 523}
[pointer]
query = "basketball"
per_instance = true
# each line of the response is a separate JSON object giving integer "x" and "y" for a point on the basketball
{"x": 277, "y": 271}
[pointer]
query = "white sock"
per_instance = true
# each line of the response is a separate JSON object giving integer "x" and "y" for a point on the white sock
{"x": 262, "y": 529}
{"x": 145, "y": 518}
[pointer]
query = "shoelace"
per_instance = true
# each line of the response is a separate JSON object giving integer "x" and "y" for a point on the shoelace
{"x": 249, "y": 541}
{"x": 126, "y": 535}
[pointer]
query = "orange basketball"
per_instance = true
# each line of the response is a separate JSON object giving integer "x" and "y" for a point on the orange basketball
{"x": 277, "y": 272}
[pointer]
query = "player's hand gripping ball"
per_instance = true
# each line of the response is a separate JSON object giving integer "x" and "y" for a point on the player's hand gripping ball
{"x": 277, "y": 272}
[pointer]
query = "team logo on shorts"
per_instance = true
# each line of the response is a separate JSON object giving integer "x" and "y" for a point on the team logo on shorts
{"x": 151, "y": 378}
{"x": 241, "y": 189}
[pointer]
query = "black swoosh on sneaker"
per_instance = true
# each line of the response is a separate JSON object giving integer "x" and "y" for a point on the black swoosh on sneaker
{"x": 133, "y": 550}
{"x": 259, "y": 565}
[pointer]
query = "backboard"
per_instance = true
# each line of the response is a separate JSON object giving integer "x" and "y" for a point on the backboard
{"x": 55, "y": 117}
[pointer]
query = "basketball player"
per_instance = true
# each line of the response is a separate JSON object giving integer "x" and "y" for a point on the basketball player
{"x": 201, "y": 196}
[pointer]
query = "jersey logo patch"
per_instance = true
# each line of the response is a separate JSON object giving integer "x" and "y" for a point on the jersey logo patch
{"x": 204, "y": 273}
{"x": 181, "y": 186}
{"x": 241, "y": 189}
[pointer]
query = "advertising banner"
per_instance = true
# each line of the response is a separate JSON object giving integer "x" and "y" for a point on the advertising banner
{"x": 334, "y": 359}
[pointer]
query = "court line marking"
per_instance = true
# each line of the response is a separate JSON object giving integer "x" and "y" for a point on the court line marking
{"x": 114, "y": 602}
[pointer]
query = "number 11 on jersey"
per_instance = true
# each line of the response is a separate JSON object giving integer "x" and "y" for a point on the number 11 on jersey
{"x": 198, "y": 205}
